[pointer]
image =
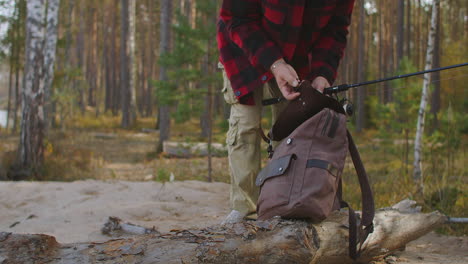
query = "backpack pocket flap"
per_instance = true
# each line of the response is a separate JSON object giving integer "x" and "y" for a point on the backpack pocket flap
{"x": 322, "y": 164}
{"x": 274, "y": 168}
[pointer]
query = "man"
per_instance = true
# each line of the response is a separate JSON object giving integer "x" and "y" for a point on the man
{"x": 278, "y": 42}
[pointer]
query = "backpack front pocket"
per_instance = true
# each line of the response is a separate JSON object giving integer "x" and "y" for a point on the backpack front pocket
{"x": 319, "y": 187}
{"x": 276, "y": 183}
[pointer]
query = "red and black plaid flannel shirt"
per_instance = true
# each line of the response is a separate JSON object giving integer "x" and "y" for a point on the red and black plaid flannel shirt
{"x": 308, "y": 34}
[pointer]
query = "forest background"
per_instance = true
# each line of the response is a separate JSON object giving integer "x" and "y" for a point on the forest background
{"x": 131, "y": 74}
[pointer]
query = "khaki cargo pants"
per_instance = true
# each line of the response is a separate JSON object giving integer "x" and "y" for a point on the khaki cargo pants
{"x": 243, "y": 142}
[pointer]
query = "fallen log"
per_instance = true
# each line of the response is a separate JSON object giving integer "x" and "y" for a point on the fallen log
{"x": 274, "y": 241}
{"x": 458, "y": 220}
{"x": 196, "y": 149}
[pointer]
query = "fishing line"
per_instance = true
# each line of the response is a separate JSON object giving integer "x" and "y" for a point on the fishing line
{"x": 345, "y": 87}
{"x": 385, "y": 89}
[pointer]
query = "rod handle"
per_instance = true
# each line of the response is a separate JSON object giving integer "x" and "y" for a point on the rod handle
{"x": 336, "y": 89}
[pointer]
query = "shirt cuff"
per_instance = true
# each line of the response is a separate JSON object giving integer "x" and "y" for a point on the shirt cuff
{"x": 247, "y": 99}
{"x": 324, "y": 72}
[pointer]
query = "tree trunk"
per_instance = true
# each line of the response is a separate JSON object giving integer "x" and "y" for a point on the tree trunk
{"x": 274, "y": 241}
{"x": 209, "y": 116}
{"x": 64, "y": 61}
{"x": 143, "y": 59}
{"x": 400, "y": 30}
{"x": 69, "y": 33}
{"x": 165, "y": 38}
{"x": 124, "y": 68}
{"x": 408, "y": 28}
{"x": 389, "y": 50}
{"x": 100, "y": 70}
{"x": 142, "y": 81}
{"x": 361, "y": 92}
{"x": 79, "y": 59}
{"x": 19, "y": 56}
{"x": 91, "y": 62}
{"x": 205, "y": 115}
{"x": 107, "y": 55}
{"x": 41, "y": 43}
{"x": 210, "y": 134}
{"x": 127, "y": 60}
{"x": 151, "y": 61}
{"x": 17, "y": 99}
{"x": 49, "y": 54}
{"x": 419, "y": 36}
{"x": 10, "y": 84}
{"x": 417, "y": 171}
{"x": 381, "y": 50}
{"x": 435, "y": 104}
{"x": 115, "y": 66}
{"x": 132, "y": 61}
{"x": 14, "y": 61}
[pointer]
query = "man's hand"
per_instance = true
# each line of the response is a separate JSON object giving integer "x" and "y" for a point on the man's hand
{"x": 286, "y": 78}
{"x": 320, "y": 83}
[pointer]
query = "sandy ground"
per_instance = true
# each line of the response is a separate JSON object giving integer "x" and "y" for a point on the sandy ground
{"x": 75, "y": 212}
{"x": 434, "y": 249}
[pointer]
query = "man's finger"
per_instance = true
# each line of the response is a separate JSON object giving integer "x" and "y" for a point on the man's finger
{"x": 293, "y": 96}
{"x": 288, "y": 93}
{"x": 293, "y": 82}
{"x": 320, "y": 83}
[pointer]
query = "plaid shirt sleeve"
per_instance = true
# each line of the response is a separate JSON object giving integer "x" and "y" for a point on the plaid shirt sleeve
{"x": 329, "y": 48}
{"x": 243, "y": 24}
{"x": 252, "y": 34}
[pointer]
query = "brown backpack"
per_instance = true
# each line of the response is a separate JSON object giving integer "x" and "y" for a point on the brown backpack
{"x": 303, "y": 177}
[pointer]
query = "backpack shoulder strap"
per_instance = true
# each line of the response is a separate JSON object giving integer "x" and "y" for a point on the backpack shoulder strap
{"x": 368, "y": 208}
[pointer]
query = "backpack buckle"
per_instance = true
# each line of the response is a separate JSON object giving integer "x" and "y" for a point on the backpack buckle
{"x": 270, "y": 150}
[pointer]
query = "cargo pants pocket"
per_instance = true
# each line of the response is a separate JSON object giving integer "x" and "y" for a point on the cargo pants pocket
{"x": 227, "y": 91}
{"x": 232, "y": 134}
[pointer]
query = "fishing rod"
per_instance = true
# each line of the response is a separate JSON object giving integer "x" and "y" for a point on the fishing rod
{"x": 345, "y": 87}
